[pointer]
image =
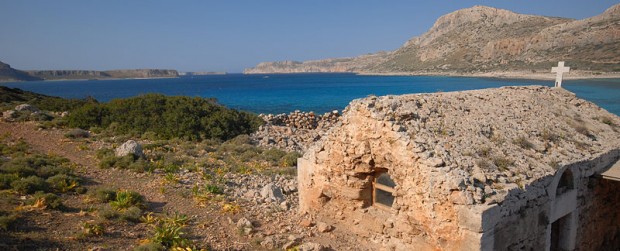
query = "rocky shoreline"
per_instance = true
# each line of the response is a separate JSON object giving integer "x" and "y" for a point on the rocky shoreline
{"x": 573, "y": 75}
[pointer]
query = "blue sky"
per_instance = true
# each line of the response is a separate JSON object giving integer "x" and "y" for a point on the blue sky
{"x": 225, "y": 35}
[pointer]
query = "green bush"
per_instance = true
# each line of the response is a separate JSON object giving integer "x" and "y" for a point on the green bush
{"x": 132, "y": 214}
{"x": 140, "y": 166}
{"x": 107, "y": 162}
{"x": 124, "y": 205}
{"x": 213, "y": 189}
{"x": 19, "y": 167}
{"x": 102, "y": 195}
{"x": 20, "y": 148}
{"x": 92, "y": 229}
{"x": 125, "y": 161}
{"x": 273, "y": 155}
{"x": 49, "y": 200}
{"x": 126, "y": 199}
{"x": 6, "y": 179}
{"x": 130, "y": 162}
{"x": 169, "y": 234}
{"x": 166, "y": 118}
{"x": 7, "y": 220}
{"x": 49, "y": 171}
{"x": 63, "y": 183}
{"x": 104, "y": 153}
{"x": 40, "y": 165}
{"x": 107, "y": 212}
{"x": 150, "y": 247}
{"x": 29, "y": 185}
{"x": 290, "y": 159}
{"x": 77, "y": 134}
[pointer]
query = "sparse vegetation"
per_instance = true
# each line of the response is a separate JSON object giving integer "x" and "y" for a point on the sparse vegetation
{"x": 45, "y": 200}
{"x": 17, "y": 96}
{"x": 122, "y": 204}
{"x": 549, "y": 136}
{"x": 523, "y": 143}
{"x": 582, "y": 129}
{"x": 90, "y": 229}
{"x": 102, "y": 195}
{"x": 77, "y": 134}
{"x": 44, "y": 182}
{"x": 607, "y": 121}
{"x": 34, "y": 173}
{"x": 126, "y": 199}
{"x": 169, "y": 232}
{"x": 502, "y": 163}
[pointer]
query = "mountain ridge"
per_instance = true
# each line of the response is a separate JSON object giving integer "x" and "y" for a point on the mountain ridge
{"x": 485, "y": 39}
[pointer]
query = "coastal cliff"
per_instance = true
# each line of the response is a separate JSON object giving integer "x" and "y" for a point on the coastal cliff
{"x": 484, "y": 39}
{"x": 7, "y": 73}
{"x": 83, "y": 74}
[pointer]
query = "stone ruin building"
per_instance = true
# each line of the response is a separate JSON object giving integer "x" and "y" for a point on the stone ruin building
{"x": 513, "y": 168}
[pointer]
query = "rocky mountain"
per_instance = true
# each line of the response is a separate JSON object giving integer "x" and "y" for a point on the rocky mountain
{"x": 82, "y": 74}
{"x": 353, "y": 64}
{"x": 9, "y": 74}
{"x": 485, "y": 39}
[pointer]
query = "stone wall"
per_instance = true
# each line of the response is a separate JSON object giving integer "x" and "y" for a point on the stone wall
{"x": 586, "y": 217}
{"x": 466, "y": 177}
{"x": 295, "y": 131}
{"x": 335, "y": 183}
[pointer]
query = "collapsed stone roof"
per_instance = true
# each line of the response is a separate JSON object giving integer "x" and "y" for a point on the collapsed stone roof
{"x": 494, "y": 140}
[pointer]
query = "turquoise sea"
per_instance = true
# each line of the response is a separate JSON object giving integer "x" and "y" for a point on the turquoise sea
{"x": 281, "y": 93}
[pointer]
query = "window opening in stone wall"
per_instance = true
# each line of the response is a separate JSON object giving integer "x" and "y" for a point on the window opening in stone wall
{"x": 383, "y": 190}
{"x": 566, "y": 182}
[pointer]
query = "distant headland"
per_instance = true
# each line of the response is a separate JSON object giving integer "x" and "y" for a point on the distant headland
{"x": 488, "y": 42}
{"x": 9, "y": 74}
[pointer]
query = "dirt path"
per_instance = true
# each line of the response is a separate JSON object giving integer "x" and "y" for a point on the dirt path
{"x": 209, "y": 224}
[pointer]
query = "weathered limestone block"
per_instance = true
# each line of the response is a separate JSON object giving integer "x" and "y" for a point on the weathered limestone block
{"x": 355, "y": 193}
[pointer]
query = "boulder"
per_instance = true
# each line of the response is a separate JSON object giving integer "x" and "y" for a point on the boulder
{"x": 9, "y": 114}
{"x": 129, "y": 147}
{"x": 26, "y": 107}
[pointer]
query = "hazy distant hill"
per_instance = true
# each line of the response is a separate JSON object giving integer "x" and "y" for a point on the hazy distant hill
{"x": 82, "y": 74}
{"x": 485, "y": 39}
{"x": 9, "y": 74}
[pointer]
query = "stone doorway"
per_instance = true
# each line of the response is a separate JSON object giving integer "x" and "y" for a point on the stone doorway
{"x": 561, "y": 234}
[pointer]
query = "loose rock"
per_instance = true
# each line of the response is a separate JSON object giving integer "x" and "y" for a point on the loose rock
{"x": 324, "y": 227}
{"x": 272, "y": 192}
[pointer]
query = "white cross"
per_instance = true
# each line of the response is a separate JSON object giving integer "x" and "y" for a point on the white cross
{"x": 560, "y": 70}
